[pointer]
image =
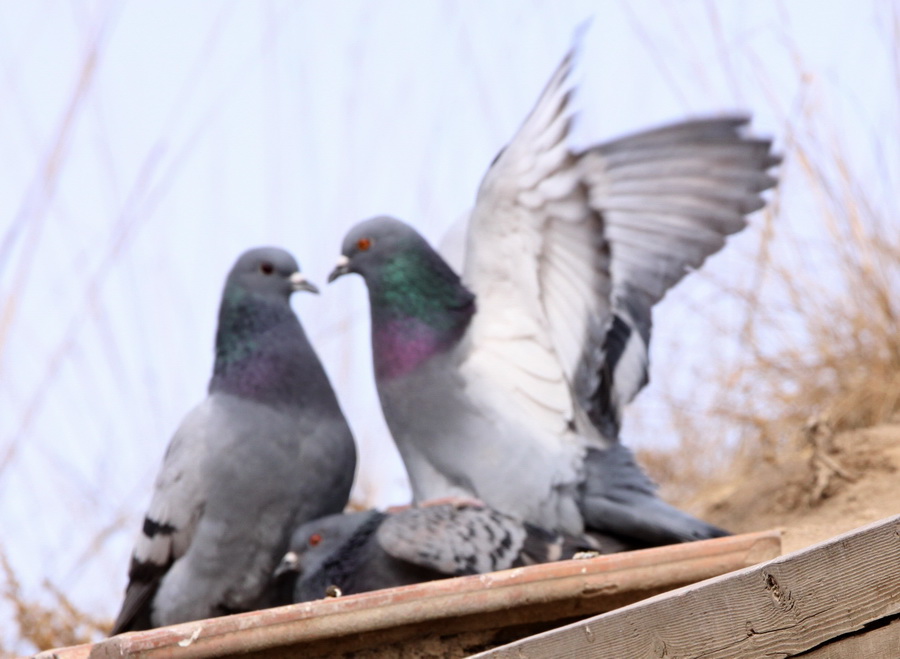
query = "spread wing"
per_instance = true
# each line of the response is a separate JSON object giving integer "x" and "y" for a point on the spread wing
{"x": 171, "y": 519}
{"x": 568, "y": 252}
{"x": 538, "y": 262}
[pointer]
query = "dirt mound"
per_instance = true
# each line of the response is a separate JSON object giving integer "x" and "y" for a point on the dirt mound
{"x": 822, "y": 485}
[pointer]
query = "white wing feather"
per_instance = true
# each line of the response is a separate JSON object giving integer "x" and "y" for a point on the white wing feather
{"x": 537, "y": 261}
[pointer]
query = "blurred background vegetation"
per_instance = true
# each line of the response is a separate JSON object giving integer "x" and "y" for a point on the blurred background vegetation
{"x": 145, "y": 145}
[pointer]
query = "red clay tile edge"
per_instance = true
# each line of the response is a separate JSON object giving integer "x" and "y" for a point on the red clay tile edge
{"x": 604, "y": 576}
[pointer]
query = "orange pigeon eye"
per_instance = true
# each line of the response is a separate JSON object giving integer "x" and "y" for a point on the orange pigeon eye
{"x": 363, "y": 244}
{"x": 314, "y": 539}
{"x": 266, "y": 268}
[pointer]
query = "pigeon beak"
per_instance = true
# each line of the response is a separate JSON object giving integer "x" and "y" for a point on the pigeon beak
{"x": 288, "y": 564}
{"x": 342, "y": 268}
{"x": 299, "y": 283}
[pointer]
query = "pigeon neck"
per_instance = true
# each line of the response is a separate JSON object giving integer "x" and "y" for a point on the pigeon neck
{"x": 419, "y": 309}
{"x": 261, "y": 350}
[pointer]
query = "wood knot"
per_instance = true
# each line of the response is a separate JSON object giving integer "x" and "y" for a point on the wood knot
{"x": 659, "y": 648}
{"x": 780, "y": 595}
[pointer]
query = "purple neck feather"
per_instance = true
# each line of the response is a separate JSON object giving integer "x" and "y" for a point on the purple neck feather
{"x": 405, "y": 343}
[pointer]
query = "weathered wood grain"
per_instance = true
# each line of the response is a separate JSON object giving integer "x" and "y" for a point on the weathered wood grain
{"x": 800, "y": 603}
{"x": 879, "y": 643}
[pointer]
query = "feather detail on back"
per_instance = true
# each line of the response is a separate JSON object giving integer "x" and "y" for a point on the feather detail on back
{"x": 454, "y": 540}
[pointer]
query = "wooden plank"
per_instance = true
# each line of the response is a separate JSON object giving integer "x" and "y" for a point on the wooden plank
{"x": 878, "y": 643}
{"x": 540, "y": 593}
{"x": 796, "y": 604}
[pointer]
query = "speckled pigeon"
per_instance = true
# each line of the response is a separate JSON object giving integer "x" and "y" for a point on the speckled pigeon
{"x": 362, "y": 551}
{"x": 268, "y": 449}
{"x": 508, "y": 385}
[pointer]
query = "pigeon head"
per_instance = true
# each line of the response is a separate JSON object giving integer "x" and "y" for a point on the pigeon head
{"x": 261, "y": 348}
{"x": 373, "y": 243}
{"x": 268, "y": 272}
{"x": 419, "y": 305}
{"x": 323, "y": 550}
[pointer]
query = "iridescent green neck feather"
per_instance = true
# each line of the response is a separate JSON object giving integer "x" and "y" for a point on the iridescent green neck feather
{"x": 419, "y": 309}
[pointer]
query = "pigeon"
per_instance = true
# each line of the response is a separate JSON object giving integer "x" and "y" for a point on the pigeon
{"x": 267, "y": 449}
{"x": 507, "y": 384}
{"x": 361, "y": 551}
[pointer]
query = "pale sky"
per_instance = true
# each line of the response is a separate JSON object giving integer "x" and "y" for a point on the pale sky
{"x": 146, "y": 144}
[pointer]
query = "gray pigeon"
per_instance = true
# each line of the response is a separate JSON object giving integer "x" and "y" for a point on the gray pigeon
{"x": 508, "y": 385}
{"x": 363, "y": 551}
{"x": 268, "y": 449}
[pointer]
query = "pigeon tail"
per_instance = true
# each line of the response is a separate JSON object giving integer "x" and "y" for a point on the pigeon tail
{"x": 619, "y": 499}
